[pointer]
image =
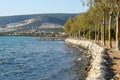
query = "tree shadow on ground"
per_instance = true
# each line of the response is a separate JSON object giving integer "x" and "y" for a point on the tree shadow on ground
{"x": 109, "y": 63}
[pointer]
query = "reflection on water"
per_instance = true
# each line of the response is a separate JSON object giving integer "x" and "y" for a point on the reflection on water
{"x": 27, "y": 58}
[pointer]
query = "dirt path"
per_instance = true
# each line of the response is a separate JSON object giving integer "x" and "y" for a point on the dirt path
{"x": 115, "y": 56}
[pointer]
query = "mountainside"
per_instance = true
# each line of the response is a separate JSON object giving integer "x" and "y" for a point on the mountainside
{"x": 38, "y": 19}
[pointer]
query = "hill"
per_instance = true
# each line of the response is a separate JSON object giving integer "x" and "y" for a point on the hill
{"x": 38, "y": 19}
{"x": 39, "y": 24}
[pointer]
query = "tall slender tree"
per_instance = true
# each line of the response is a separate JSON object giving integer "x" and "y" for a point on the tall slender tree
{"x": 116, "y": 12}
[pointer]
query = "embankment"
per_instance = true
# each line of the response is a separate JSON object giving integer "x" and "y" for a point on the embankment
{"x": 98, "y": 64}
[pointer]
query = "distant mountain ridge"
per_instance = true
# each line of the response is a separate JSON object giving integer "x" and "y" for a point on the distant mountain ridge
{"x": 39, "y": 19}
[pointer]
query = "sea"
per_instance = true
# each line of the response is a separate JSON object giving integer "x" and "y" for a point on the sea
{"x": 28, "y": 58}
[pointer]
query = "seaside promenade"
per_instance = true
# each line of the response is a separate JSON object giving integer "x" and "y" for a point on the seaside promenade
{"x": 115, "y": 57}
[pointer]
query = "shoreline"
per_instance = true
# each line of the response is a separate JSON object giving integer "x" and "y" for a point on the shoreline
{"x": 80, "y": 60}
{"x": 98, "y": 69}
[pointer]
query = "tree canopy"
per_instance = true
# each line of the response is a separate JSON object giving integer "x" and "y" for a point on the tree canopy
{"x": 99, "y": 20}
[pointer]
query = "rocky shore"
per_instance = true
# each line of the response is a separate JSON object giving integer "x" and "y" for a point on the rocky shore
{"x": 98, "y": 67}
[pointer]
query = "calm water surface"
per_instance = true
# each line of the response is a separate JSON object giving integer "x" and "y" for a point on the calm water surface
{"x": 27, "y": 58}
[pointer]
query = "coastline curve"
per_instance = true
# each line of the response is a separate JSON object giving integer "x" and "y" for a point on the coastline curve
{"x": 98, "y": 68}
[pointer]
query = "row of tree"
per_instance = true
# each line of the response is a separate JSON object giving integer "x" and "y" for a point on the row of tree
{"x": 100, "y": 22}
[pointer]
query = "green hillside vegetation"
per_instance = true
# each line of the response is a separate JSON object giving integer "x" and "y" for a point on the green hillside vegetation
{"x": 55, "y": 30}
{"x": 42, "y": 32}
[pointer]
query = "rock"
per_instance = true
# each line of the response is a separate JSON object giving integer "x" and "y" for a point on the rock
{"x": 79, "y": 59}
{"x": 97, "y": 68}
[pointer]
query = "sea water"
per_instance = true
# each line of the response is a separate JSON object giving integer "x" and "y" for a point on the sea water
{"x": 28, "y": 58}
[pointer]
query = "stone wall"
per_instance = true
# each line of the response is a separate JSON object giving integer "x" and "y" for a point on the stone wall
{"x": 97, "y": 67}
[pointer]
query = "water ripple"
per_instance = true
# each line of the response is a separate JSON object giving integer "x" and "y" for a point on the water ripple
{"x": 26, "y": 58}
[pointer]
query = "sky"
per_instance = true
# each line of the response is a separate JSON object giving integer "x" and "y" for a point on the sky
{"x": 21, "y": 7}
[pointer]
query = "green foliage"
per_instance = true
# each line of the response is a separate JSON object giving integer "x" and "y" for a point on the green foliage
{"x": 68, "y": 25}
{"x": 93, "y": 20}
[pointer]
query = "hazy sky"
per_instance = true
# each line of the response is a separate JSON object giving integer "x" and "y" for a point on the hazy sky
{"x": 19, "y": 7}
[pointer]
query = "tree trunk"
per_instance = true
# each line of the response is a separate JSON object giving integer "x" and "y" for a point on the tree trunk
{"x": 89, "y": 34}
{"x": 101, "y": 34}
{"x": 117, "y": 32}
{"x": 69, "y": 35}
{"x": 109, "y": 32}
{"x": 75, "y": 35}
{"x": 98, "y": 34}
{"x": 95, "y": 34}
{"x": 104, "y": 32}
{"x": 83, "y": 36}
{"x": 72, "y": 35}
{"x": 79, "y": 34}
